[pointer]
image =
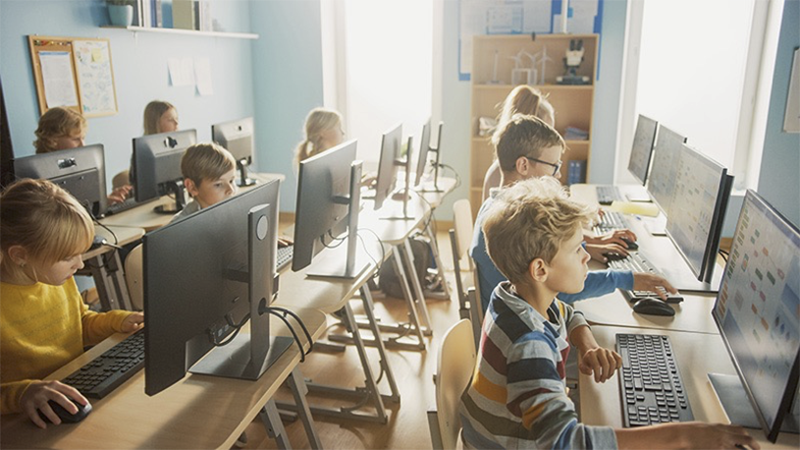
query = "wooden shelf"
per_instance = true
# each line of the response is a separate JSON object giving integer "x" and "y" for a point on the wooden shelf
{"x": 186, "y": 32}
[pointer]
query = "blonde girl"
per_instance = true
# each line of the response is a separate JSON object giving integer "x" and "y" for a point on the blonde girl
{"x": 60, "y": 129}
{"x": 44, "y": 323}
{"x": 323, "y": 130}
{"x": 160, "y": 117}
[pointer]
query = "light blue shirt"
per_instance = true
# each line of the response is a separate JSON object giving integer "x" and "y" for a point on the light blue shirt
{"x": 598, "y": 282}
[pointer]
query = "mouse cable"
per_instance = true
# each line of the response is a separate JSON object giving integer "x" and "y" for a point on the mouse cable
{"x": 299, "y": 321}
{"x": 114, "y": 235}
{"x": 294, "y": 334}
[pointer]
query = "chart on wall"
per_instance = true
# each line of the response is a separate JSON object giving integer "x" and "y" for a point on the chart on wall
{"x": 478, "y": 17}
{"x": 95, "y": 77}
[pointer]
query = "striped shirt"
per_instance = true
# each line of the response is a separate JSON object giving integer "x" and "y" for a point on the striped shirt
{"x": 517, "y": 397}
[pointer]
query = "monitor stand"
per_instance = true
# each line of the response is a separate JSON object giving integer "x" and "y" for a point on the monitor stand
{"x": 637, "y": 194}
{"x": 244, "y": 181}
{"x": 176, "y": 187}
{"x": 234, "y": 360}
{"x": 734, "y": 401}
{"x": 656, "y": 226}
{"x": 682, "y": 278}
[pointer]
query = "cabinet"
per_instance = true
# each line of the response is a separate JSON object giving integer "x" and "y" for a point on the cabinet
{"x": 572, "y": 103}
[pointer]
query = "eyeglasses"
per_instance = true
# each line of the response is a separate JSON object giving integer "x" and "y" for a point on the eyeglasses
{"x": 556, "y": 167}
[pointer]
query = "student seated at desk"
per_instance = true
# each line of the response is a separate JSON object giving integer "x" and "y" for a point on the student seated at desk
{"x": 525, "y": 148}
{"x": 61, "y": 129}
{"x": 160, "y": 117}
{"x": 44, "y": 324}
{"x": 209, "y": 173}
{"x": 517, "y": 397}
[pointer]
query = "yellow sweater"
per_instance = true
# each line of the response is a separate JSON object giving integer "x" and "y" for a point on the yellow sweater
{"x": 43, "y": 327}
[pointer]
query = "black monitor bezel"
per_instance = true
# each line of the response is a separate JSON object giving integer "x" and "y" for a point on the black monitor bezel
{"x": 787, "y": 398}
{"x": 387, "y": 169}
{"x": 648, "y": 149}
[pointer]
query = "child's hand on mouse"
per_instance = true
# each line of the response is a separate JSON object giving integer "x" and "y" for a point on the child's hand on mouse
{"x": 36, "y": 396}
{"x": 133, "y": 322}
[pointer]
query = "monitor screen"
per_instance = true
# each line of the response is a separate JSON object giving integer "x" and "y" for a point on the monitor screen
{"x": 643, "y": 140}
{"x": 237, "y": 137}
{"x": 80, "y": 171}
{"x": 201, "y": 280}
{"x": 424, "y": 145}
{"x": 391, "y": 145}
{"x": 323, "y": 208}
{"x": 662, "y": 174}
{"x": 757, "y": 309}
{"x": 157, "y": 164}
{"x": 701, "y": 189}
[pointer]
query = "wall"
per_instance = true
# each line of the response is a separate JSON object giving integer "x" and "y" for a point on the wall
{"x": 140, "y": 71}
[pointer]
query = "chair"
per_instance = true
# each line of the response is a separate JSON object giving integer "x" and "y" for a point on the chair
{"x": 460, "y": 240}
{"x": 454, "y": 367}
{"x": 134, "y": 277}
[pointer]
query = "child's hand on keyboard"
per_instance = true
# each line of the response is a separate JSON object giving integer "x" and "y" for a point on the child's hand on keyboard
{"x": 601, "y": 362}
{"x": 616, "y": 237}
{"x": 643, "y": 281}
{"x": 118, "y": 195}
{"x": 284, "y": 241}
{"x": 133, "y": 322}
{"x": 597, "y": 252}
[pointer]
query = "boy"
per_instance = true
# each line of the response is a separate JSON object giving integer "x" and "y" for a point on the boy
{"x": 528, "y": 148}
{"x": 517, "y": 397}
{"x": 209, "y": 173}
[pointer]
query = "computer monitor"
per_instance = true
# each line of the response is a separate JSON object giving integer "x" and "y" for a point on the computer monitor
{"x": 436, "y": 164}
{"x": 701, "y": 189}
{"x": 328, "y": 203}
{"x": 204, "y": 277}
{"x": 391, "y": 143}
{"x": 237, "y": 137}
{"x": 642, "y": 149}
{"x": 157, "y": 164}
{"x": 662, "y": 174}
{"x": 424, "y": 145}
{"x": 757, "y": 312}
{"x": 80, "y": 171}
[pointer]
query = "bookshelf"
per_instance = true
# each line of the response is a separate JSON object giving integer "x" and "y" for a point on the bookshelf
{"x": 572, "y": 103}
{"x": 136, "y": 29}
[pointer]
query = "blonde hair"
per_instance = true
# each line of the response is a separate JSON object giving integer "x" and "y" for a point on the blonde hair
{"x": 529, "y": 220}
{"x": 318, "y": 121}
{"x": 43, "y": 219}
{"x": 152, "y": 114}
{"x": 524, "y": 136}
{"x": 526, "y": 100}
{"x": 206, "y": 161}
{"x": 55, "y": 123}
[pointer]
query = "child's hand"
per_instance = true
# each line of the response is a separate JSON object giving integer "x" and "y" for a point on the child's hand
{"x": 118, "y": 195}
{"x": 600, "y": 361}
{"x": 35, "y": 398}
{"x": 643, "y": 281}
{"x": 133, "y": 322}
{"x": 284, "y": 241}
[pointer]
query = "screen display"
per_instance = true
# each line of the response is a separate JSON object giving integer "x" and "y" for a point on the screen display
{"x": 665, "y": 159}
{"x": 642, "y": 149}
{"x": 758, "y": 305}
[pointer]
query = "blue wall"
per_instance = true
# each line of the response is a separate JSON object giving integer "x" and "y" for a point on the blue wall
{"x": 140, "y": 71}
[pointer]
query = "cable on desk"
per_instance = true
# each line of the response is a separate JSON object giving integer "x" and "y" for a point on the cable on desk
{"x": 364, "y": 246}
{"x": 236, "y": 327}
{"x": 274, "y": 311}
{"x": 116, "y": 240}
{"x": 299, "y": 321}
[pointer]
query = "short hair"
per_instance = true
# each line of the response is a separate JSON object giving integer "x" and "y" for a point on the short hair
{"x": 206, "y": 161}
{"x": 45, "y": 220}
{"x": 527, "y": 100}
{"x": 529, "y": 220}
{"x": 524, "y": 136}
{"x": 318, "y": 121}
{"x": 55, "y": 123}
{"x": 152, "y": 114}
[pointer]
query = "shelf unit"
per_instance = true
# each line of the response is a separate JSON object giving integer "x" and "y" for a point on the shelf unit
{"x": 223, "y": 34}
{"x": 572, "y": 103}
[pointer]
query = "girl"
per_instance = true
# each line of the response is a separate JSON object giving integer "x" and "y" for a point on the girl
{"x": 60, "y": 129}
{"x": 44, "y": 323}
{"x": 160, "y": 117}
{"x": 323, "y": 130}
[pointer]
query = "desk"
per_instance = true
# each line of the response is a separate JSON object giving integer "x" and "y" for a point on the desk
{"x": 105, "y": 266}
{"x": 144, "y": 217}
{"x": 696, "y": 355}
{"x": 198, "y": 412}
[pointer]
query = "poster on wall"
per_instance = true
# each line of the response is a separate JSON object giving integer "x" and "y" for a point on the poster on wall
{"x": 477, "y": 17}
{"x": 95, "y": 77}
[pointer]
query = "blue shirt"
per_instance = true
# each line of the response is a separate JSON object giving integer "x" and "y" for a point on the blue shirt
{"x": 598, "y": 282}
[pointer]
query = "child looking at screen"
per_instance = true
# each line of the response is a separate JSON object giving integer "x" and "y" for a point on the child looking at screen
{"x": 209, "y": 173}
{"x": 517, "y": 397}
{"x": 44, "y": 324}
{"x": 160, "y": 117}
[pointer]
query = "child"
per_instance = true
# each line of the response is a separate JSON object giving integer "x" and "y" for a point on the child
{"x": 323, "y": 130}
{"x": 160, "y": 117}
{"x": 209, "y": 173}
{"x": 527, "y": 147}
{"x": 517, "y": 397}
{"x": 60, "y": 129}
{"x": 44, "y": 324}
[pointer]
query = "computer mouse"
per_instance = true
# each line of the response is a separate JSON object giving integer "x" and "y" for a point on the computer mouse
{"x": 653, "y": 306}
{"x": 614, "y": 256}
{"x": 631, "y": 245}
{"x": 66, "y": 416}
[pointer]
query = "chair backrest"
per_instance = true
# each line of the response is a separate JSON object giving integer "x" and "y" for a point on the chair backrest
{"x": 134, "y": 277}
{"x": 462, "y": 224}
{"x": 454, "y": 368}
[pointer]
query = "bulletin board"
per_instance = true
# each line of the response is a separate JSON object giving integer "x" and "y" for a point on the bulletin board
{"x": 75, "y": 73}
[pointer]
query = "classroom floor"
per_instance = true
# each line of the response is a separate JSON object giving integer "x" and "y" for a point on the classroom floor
{"x": 408, "y": 425}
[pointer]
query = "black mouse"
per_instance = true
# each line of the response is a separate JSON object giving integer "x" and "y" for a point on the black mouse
{"x": 614, "y": 256}
{"x": 653, "y": 306}
{"x": 631, "y": 245}
{"x": 66, "y": 416}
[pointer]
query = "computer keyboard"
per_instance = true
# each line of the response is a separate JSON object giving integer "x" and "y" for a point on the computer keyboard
{"x": 636, "y": 262}
{"x": 606, "y": 195}
{"x": 651, "y": 388}
{"x": 285, "y": 255}
{"x": 125, "y": 205}
{"x": 116, "y": 365}
{"x": 610, "y": 221}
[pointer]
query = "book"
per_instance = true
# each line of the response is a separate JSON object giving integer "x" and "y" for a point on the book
{"x": 576, "y": 171}
{"x": 155, "y": 9}
{"x": 183, "y": 14}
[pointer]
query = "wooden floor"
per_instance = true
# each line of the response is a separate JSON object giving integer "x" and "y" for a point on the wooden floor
{"x": 407, "y": 427}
